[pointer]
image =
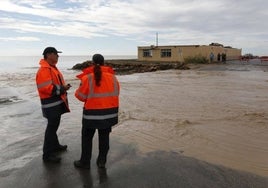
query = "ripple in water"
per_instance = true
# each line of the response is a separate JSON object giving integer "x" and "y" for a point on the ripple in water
{"x": 11, "y": 99}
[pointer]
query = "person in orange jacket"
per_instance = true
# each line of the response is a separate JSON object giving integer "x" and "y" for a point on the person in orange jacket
{"x": 99, "y": 90}
{"x": 52, "y": 91}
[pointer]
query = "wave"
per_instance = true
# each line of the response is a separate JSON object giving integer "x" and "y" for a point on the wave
{"x": 11, "y": 99}
{"x": 9, "y": 95}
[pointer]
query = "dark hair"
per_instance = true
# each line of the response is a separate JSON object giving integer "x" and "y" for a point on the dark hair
{"x": 97, "y": 60}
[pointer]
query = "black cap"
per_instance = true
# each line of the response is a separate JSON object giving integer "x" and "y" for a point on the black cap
{"x": 98, "y": 59}
{"x": 49, "y": 50}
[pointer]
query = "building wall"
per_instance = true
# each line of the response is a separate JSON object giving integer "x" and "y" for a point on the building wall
{"x": 178, "y": 53}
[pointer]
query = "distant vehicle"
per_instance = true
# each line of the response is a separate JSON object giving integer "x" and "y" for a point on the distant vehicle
{"x": 247, "y": 57}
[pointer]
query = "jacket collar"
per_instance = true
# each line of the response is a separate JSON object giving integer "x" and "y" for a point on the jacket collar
{"x": 90, "y": 70}
{"x": 44, "y": 63}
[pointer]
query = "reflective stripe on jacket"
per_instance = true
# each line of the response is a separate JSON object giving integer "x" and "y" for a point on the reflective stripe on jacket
{"x": 101, "y": 103}
{"x": 49, "y": 81}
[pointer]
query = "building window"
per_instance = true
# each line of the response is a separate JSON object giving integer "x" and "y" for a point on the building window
{"x": 166, "y": 53}
{"x": 147, "y": 53}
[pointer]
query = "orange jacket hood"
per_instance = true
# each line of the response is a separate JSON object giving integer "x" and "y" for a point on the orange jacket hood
{"x": 44, "y": 63}
{"x": 90, "y": 70}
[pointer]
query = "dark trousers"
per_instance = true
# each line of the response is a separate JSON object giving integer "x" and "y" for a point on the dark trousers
{"x": 51, "y": 141}
{"x": 87, "y": 137}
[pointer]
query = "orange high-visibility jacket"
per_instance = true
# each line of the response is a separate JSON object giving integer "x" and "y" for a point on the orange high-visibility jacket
{"x": 50, "y": 86}
{"x": 101, "y": 103}
{"x": 90, "y": 69}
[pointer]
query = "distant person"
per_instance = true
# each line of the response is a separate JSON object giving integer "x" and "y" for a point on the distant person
{"x": 211, "y": 57}
{"x": 99, "y": 90}
{"x": 53, "y": 95}
{"x": 223, "y": 57}
{"x": 219, "y": 57}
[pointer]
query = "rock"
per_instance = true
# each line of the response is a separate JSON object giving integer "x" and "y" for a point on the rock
{"x": 130, "y": 66}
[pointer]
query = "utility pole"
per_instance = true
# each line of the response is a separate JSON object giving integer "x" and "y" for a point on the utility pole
{"x": 156, "y": 38}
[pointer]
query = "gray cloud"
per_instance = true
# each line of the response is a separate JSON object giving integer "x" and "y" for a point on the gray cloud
{"x": 236, "y": 23}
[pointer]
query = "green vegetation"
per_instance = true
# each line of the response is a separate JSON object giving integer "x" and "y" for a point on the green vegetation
{"x": 198, "y": 59}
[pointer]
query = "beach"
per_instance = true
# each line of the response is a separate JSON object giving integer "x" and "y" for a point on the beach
{"x": 216, "y": 113}
{"x": 205, "y": 126}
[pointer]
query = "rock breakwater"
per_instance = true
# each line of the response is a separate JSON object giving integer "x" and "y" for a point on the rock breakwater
{"x": 130, "y": 66}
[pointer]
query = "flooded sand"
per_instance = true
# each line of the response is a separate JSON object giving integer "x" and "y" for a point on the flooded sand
{"x": 208, "y": 123}
{"x": 215, "y": 113}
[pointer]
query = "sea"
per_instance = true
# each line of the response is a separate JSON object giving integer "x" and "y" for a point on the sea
{"x": 22, "y": 63}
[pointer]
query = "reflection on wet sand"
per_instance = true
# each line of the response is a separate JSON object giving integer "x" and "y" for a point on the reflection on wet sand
{"x": 132, "y": 170}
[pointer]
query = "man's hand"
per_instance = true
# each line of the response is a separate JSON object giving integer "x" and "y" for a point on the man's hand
{"x": 67, "y": 87}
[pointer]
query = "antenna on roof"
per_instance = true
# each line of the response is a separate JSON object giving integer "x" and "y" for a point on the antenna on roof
{"x": 156, "y": 39}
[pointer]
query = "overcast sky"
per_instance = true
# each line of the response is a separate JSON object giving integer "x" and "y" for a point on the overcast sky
{"x": 118, "y": 27}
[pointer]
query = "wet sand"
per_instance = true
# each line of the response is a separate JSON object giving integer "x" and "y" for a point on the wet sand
{"x": 215, "y": 113}
{"x": 203, "y": 127}
{"x": 129, "y": 168}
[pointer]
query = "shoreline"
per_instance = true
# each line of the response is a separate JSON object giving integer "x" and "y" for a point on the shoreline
{"x": 131, "y": 66}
